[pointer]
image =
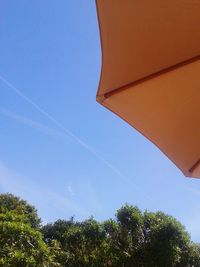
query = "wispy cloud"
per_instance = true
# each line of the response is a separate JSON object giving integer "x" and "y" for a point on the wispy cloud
{"x": 194, "y": 190}
{"x": 70, "y": 190}
{"x": 51, "y": 204}
{"x": 33, "y": 124}
{"x": 73, "y": 136}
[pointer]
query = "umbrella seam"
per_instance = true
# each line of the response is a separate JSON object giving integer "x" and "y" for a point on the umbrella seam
{"x": 101, "y": 98}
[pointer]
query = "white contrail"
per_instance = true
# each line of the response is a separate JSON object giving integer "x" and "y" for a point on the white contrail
{"x": 33, "y": 124}
{"x": 42, "y": 111}
{"x": 68, "y": 132}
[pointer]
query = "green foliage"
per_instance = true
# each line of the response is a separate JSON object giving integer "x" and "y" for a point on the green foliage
{"x": 166, "y": 239}
{"x": 194, "y": 255}
{"x": 80, "y": 243}
{"x": 9, "y": 202}
{"x": 56, "y": 230}
{"x": 21, "y": 245}
{"x": 133, "y": 239}
{"x": 21, "y": 240}
{"x": 130, "y": 240}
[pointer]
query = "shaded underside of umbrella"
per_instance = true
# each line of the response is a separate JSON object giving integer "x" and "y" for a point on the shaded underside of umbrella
{"x": 150, "y": 73}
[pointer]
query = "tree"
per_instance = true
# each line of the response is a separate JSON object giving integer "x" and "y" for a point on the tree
{"x": 55, "y": 236}
{"x": 112, "y": 245}
{"x": 166, "y": 241}
{"x": 132, "y": 239}
{"x": 130, "y": 220}
{"x": 21, "y": 244}
{"x": 83, "y": 242}
{"x": 21, "y": 240}
{"x": 57, "y": 230}
{"x": 194, "y": 255}
{"x": 9, "y": 202}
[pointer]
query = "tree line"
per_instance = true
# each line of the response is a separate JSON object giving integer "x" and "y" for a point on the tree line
{"x": 133, "y": 239}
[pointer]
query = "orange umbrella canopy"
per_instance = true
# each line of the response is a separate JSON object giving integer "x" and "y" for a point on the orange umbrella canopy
{"x": 150, "y": 73}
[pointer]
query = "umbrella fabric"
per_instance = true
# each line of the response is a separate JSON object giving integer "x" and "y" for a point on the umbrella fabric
{"x": 150, "y": 73}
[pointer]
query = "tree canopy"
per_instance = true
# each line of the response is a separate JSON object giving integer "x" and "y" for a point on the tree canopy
{"x": 133, "y": 239}
{"x": 9, "y": 202}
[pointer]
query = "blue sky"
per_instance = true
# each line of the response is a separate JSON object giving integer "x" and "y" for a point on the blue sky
{"x": 60, "y": 149}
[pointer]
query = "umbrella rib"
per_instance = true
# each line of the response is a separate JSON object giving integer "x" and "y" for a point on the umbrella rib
{"x": 191, "y": 170}
{"x": 149, "y": 77}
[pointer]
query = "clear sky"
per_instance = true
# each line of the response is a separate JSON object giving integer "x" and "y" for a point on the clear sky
{"x": 60, "y": 149}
